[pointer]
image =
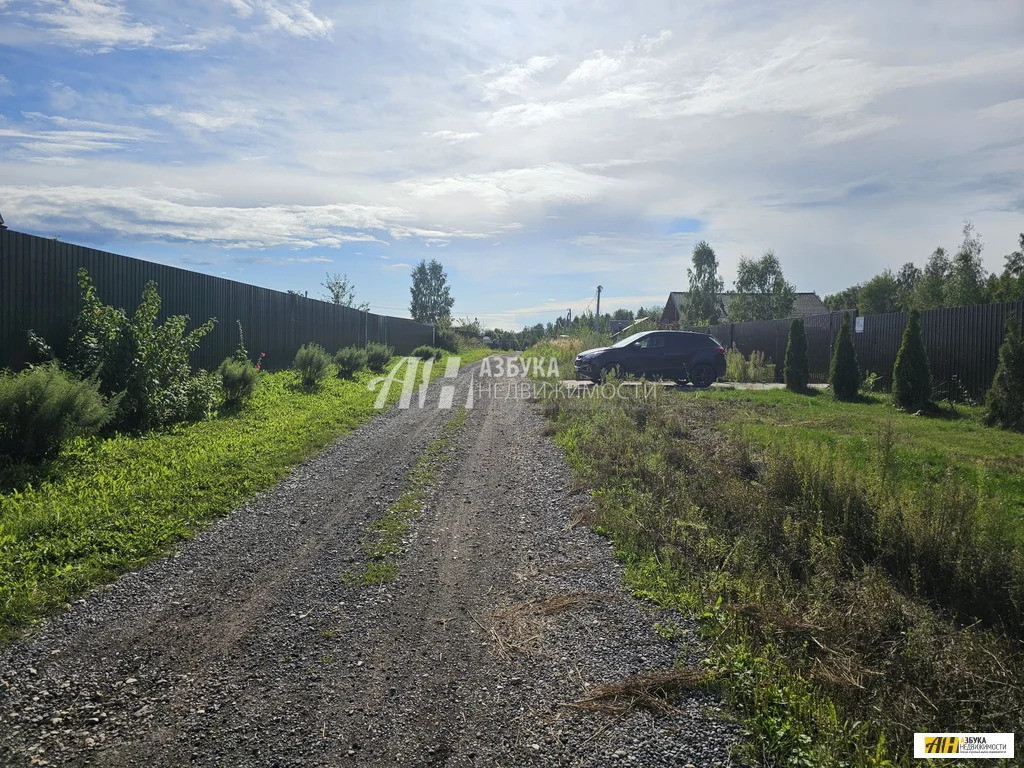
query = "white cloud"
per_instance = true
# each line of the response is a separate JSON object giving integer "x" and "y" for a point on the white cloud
{"x": 514, "y": 79}
{"x": 103, "y": 23}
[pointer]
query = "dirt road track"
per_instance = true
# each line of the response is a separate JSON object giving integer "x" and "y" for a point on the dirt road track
{"x": 249, "y": 648}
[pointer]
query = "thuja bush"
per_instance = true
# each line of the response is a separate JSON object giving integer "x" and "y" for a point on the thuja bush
{"x": 797, "y": 373}
{"x": 349, "y": 360}
{"x": 911, "y": 377}
{"x": 378, "y": 355}
{"x": 311, "y": 361}
{"x": 146, "y": 363}
{"x": 843, "y": 375}
{"x": 1005, "y": 401}
{"x": 43, "y": 407}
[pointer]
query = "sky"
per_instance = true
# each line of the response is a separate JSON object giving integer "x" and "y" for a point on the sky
{"x": 536, "y": 149}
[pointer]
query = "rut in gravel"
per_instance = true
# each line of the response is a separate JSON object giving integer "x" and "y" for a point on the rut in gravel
{"x": 253, "y": 646}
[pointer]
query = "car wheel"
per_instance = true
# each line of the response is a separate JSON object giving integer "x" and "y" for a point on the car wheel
{"x": 702, "y": 376}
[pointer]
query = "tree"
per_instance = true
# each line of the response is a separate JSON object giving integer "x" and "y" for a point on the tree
{"x": 762, "y": 291}
{"x": 879, "y": 295}
{"x": 845, "y": 299}
{"x": 1009, "y": 286}
{"x": 966, "y": 284}
{"x": 843, "y": 374}
{"x": 1005, "y": 400}
{"x": 907, "y": 279}
{"x": 797, "y": 373}
{"x": 703, "y": 305}
{"x": 930, "y": 289}
{"x": 342, "y": 292}
{"x": 911, "y": 377}
{"x": 431, "y": 296}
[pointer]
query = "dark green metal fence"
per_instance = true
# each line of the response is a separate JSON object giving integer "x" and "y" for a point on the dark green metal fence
{"x": 39, "y": 291}
{"x": 962, "y": 343}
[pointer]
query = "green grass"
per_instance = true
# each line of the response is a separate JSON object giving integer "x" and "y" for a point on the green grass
{"x": 849, "y": 592}
{"x": 105, "y": 506}
{"x": 926, "y": 447}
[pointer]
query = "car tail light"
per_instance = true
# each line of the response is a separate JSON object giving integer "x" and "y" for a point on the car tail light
{"x": 720, "y": 350}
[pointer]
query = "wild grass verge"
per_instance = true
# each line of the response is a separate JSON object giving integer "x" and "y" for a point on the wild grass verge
{"x": 844, "y": 606}
{"x": 105, "y": 506}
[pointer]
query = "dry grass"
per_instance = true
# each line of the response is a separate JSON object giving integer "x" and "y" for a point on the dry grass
{"x": 519, "y": 628}
{"x": 651, "y": 690}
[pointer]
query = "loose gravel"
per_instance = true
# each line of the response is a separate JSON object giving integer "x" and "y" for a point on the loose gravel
{"x": 249, "y": 647}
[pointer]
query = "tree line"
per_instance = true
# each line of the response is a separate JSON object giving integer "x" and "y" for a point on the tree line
{"x": 944, "y": 281}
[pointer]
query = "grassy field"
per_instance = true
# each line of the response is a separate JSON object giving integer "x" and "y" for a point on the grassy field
{"x": 857, "y": 570}
{"x": 925, "y": 448}
{"x": 105, "y": 506}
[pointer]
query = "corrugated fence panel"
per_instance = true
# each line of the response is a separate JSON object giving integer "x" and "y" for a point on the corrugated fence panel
{"x": 39, "y": 291}
{"x": 962, "y": 344}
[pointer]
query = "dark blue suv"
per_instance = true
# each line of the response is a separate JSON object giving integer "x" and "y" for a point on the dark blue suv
{"x": 682, "y": 356}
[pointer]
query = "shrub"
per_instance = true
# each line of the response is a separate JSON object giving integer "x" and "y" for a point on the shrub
{"x": 843, "y": 375}
{"x": 378, "y": 355}
{"x": 311, "y": 362}
{"x": 446, "y": 339}
{"x": 199, "y": 394}
{"x": 42, "y": 407}
{"x": 911, "y": 378}
{"x": 741, "y": 369}
{"x": 797, "y": 369}
{"x": 148, "y": 363}
{"x": 1005, "y": 401}
{"x": 427, "y": 353}
{"x": 238, "y": 380}
{"x": 349, "y": 360}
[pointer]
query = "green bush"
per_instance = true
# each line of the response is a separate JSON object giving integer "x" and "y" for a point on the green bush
{"x": 238, "y": 380}
{"x": 42, "y": 407}
{"x": 797, "y": 369}
{"x": 427, "y": 353}
{"x": 446, "y": 339}
{"x": 1005, "y": 401}
{"x": 741, "y": 369}
{"x": 148, "y": 363}
{"x": 349, "y": 360}
{"x": 843, "y": 375}
{"x": 311, "y": 361}
{"x": 378, "y": 355}
{"x": 911, "y": 377}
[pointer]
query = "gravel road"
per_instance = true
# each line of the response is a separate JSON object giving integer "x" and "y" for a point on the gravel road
{"x": 249, "y": 647}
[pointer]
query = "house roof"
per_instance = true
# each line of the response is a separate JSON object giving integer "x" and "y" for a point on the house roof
{"x": 806, "y": 303}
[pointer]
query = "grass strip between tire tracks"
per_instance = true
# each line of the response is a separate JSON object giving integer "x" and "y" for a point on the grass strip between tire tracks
{"x": 385, "y": 542}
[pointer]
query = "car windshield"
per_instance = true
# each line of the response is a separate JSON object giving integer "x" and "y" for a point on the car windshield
{"x": 630, "y": 339}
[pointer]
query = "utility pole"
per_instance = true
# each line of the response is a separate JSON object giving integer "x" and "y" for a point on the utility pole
{"x": 597, "y": 317}
{"x": 569, "y": 319}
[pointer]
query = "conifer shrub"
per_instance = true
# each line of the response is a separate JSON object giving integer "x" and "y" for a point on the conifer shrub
{"x": 311, "y": 361}
{"x": 797, "y": 369}
{"x": 43, "y": 407}
{"x": 843, "y": 374}
{"x": 911, "y": 376}
{"x": 1005, "y": 401}
{"x": 378, "y": 355}
{"x": 349, "y": 360}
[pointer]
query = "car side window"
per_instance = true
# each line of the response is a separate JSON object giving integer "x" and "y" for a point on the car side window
{"x": 651, "y": 342}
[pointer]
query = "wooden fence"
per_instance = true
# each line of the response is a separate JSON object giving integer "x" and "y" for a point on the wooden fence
{"x": 39, "y": 291}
